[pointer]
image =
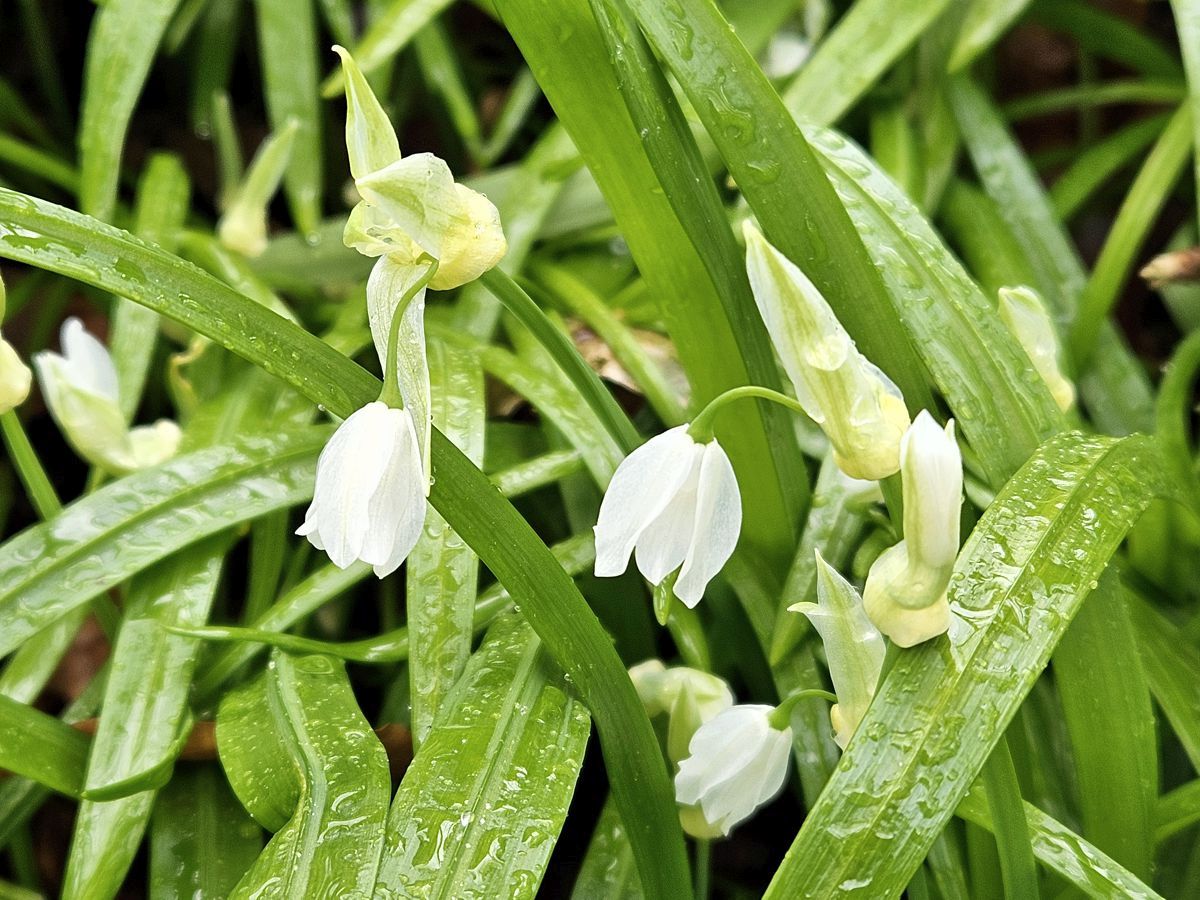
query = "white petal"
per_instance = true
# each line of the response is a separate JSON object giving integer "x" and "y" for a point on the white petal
{"x": 92, "y": 422}
{"x": 348, "y": 471}
{"x": 397, "y": 509}
{"x": 639, "y": 491}
{"x": 470, "y": 249}
{"x": 931, "y": 466}
{"x": 89, "y": 365}
{"x": 719, "y": 749}
{"x": 153, "y": 444}
{"x": 663, "y": 544}
{"x": 388, "y": 283}
{"x": 717, "y": 524}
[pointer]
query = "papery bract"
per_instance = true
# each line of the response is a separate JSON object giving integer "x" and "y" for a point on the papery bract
{"x": 858, "y": 407}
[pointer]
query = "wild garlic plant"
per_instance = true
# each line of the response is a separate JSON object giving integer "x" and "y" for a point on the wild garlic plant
{"x": 728, "y": 453}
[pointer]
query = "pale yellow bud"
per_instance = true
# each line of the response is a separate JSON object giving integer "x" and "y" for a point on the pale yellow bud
{"x": 857, "y": 406}
{"x": 1026, "y": 317}
{"x": 15, "y": 378}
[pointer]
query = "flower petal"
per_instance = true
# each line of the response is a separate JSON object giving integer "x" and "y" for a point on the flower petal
{"x": 716, "y": 526}
{"x": 389, "y": 281}
{"x": 644, "y": 483}
{"x": 89, "y": 365}
{"x": 662, "y": 546}
{"x": 348, "y": 471}
{"x": 471, "y": 249}
{"x": 397, "y": 509}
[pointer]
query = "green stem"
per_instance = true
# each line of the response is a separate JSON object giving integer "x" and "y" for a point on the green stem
{"x": 559, "y": 346}
{"x": 701, "y": 428}
{"x": 29, "y": 467}
{"x": 391, "y": 376}
{"x": 703, "y": 867}
{"x": 782, "y": 716}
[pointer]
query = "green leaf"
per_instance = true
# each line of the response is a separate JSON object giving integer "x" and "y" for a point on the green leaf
{"x": 201, "y": 840}
{"x": 984, "y": 22}
{"x": 1172, "y": 666}
{"x": 1020, "y": 578}
{"x": 41, "y": 747}
{"x": 288, "y": 50}
{"x": 102, "y": 539}
{"x": 607, "y": 871}
{"x": 1063, "y": 851}
{"x": 144, "y": 711}
{"x": 867, "y": 41}
{"x": 480, "y": 808}
{"x": 51, "y": 237}
{"x": 121, "y": 46}
{"x": 330, "y": 846}
{"x": 252, "y": 743}
{"x": 442, "y": 571}
{"x": 388, "y": 34}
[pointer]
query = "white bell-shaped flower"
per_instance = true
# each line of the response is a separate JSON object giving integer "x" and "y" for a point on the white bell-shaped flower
{"x": 369, "y": 502}
{"x": 688, "y": 696}
{"x": 905, "y": 593}
{"x": 857, "y": 406}
{"x": 677, "y": 502}
{"x": 853, "y": 647}
{"x": 80, "y": 387}
{"x": 1025, "y": 315}
{"x": 15, "y": 377}
{"x": 738, "y": 761}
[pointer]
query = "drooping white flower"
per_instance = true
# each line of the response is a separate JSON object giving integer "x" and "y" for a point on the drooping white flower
{"x": 738, "y": 762}
{"x": 412, "y": 211}
{"x": 80, "y": 387}
{"x": 857, "y": 406}
{"x": 688, "y": 696}
{"x": 677, "y": 502}
{"x": 853, "y": 647}
{"x": 1025, "y": 315}
{"x": 15, "y": 377}
{"x": 905, "y": 593}
{"x": 369, "y": 502}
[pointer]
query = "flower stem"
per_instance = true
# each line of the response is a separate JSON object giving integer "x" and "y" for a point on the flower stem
{"x": 782, "y": 716}
{"x": 701, "y": 428}
{"x": 29, "y": 467}
{"x": 703, "y": 867}
{"x": 391, "y": 376}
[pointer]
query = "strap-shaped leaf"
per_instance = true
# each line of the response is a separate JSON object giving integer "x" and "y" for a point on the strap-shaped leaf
{"x": 52, "y": 237}
{"x": 121, "y": 48}
{"x": 442, "y": 570}
{"x": 1028, "y": 565}
{"x": 330, "y": 846}
{"x": 145, "y": 709}
{"x": 41, "y": 747}
{"x": 481, "y": 806}
{"x": 102, "y": 539}
{"x": 201, "y": 840}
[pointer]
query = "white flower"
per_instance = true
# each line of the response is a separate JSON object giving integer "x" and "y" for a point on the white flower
{"x": 1026, "y": 317}
{"x": 857, "y": 406}
{"x": 369, "y": 502}
{"x": 15, "y": 378}
{"x": 853, "y": 647}
{"x": 738, "y": 762}
{"x": 905, "y": 593}
{"x": 676, "y": 501}
{"x": 688, "y": 696}
{"x": 80, "y": 387}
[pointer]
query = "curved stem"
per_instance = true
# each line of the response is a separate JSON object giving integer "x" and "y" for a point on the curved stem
{"x": 782, "y": 716}
{"x": 701, "y": 428}
{"x": 391, "y": 376}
